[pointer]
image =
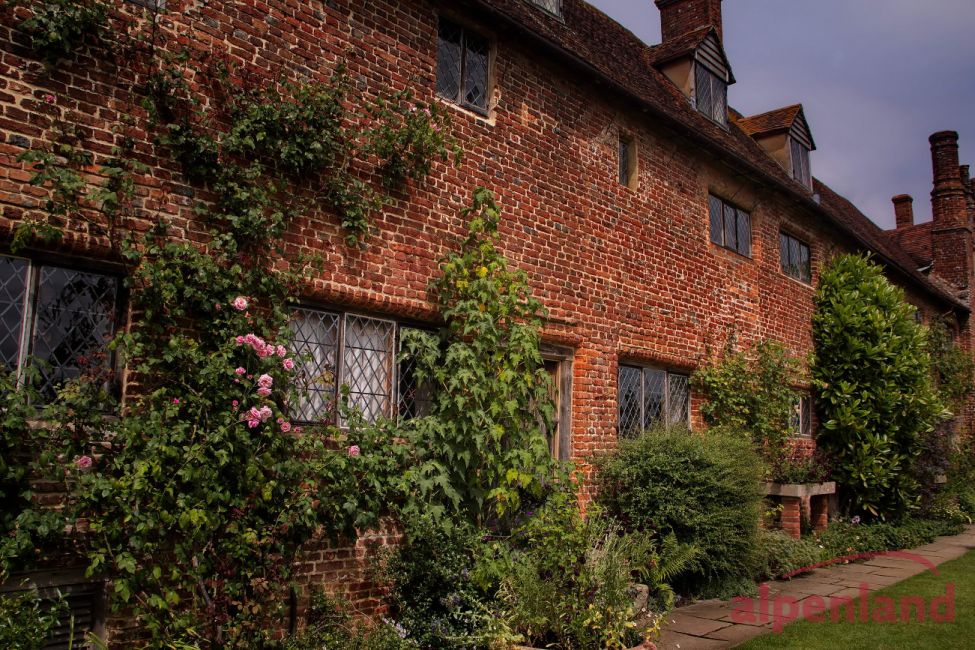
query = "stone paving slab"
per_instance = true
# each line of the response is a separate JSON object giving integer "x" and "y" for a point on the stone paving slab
{"x": 710, "y": 625}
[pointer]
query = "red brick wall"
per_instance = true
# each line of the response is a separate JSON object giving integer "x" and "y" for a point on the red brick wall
{"x": 625, "y": 274}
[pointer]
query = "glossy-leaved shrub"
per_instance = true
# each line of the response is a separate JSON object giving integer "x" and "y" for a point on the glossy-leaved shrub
{"x": 872, "y": 374}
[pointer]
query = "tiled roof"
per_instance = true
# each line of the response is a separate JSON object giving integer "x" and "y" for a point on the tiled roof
{"x": 675, "y": 48}
{"x": 915, "y": 241}
{"x": 595, "y": 42}
{"x": 781, "y": 119}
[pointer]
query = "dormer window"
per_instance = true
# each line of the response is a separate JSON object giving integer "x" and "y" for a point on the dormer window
{"x": 710, "y": 94}
{"x": 552, "y": 6}
{"x": 800, "y": 163}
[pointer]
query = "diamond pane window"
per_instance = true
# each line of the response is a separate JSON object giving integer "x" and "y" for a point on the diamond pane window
{"x": 463, "y": 61}
{"x": 13, "y": 303}
{"x": 414, "y": 397}
{"x": 551, "y": 6}
{"x": 367, "y": 365}
{"x": 61, "y": 317}
{"x": 800, "y": 420}
{"x": 710, "y": 94}
{"x": 794, "y": 258}
{"x": 315, "y": 345}
{"x": 648, "y": 396}
{"x": 731, "y": 227}
{"x": 800, "y": 163}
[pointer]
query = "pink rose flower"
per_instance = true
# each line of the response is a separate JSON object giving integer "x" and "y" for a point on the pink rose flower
{"x": 176, "y": 400}
{"x": 289, "y": 364}
{"x": 265, "y": 413}
{"x": 83, "y": 462}
{"x": 265, "y": 381}
{"x": 240, "y": 303}
{"x": 282, "y": 351}
{"x": 241, "y": 371}
{"x": 235, "y": 404}
{"x": 354, "y": 450}
{"x": 240, "y": 340}
{"x": 264, "y": 392}
{"x": 251, "y": 423}
{"x": 285, "y": 427}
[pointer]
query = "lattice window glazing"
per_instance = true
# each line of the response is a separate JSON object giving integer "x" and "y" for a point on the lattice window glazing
{"x": 315, "y": 344}
{"x": 731, "y": 227}
{"x": 367, "y": 365}
{"x": 648, "y": 396}
{"x": 69, "y": 317}
{"x": 551, "y": 6}
{"x": 626, "y": 161}
{"x": 710, "y": 94}
{"x": 800, "y": 163}
{"x": 414, "y": 397}
{"x": 13, "y": 303}
{"x": 800, "y": 420}
{"x": 463, "y": 61}
{"x": 794, "y": 257}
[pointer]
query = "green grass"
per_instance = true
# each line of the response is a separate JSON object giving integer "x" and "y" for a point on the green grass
{"x": 833, "y": 636}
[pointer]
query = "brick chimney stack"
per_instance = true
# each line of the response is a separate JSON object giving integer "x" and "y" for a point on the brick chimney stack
{"x": 951, "y": 234}
{"x": 904, "y": 210}
{"x": 679, "y": 17}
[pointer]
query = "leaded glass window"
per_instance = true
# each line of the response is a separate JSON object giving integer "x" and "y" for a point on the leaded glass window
{"x": 800, "y": 420}
{"x": 463, "y": 60}
{"x": 731, "y": 227}
{"x": 648, "y": 396}
{"x": 357, "y": 353}
{"x": 60, "y": 317}
{"x": 627, "y": 162}
{"x": 794, "y": 257}
{"x": 800, "y": 163}
{"x": 710, "y": 94}
{"x": 551, "y": 6}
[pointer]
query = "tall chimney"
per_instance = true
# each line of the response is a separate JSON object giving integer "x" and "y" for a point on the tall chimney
{"x": 951, "y": 234}
{"x": 904, "y": 210}
{"x": 679, "y": 17}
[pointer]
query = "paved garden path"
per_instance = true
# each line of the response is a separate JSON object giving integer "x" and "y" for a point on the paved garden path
{"x": 708, "y": 624}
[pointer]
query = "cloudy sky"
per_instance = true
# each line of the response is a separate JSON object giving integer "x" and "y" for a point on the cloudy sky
{"x": 876, "y": 78}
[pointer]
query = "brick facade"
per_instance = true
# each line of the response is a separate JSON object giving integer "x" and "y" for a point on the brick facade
{"x": 628, "y": 275}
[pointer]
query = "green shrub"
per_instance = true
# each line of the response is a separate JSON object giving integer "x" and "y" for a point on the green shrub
{"x": 27, "y": 621}
{"x": 779, "y": 554}
{"x": 703, "y": 489}
{"x": 846, "y": 538}
{"x": 433, "y": 593}
{"x": 568, "y": 583}
{"x": 331, "y": 627}
{"x": 872, "y": 372}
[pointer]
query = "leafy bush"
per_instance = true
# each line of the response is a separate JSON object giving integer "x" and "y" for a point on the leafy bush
{"x": 871, "y": 369}
{"x": 780, "y": 554}
{"x": 703, "y": 489}
{"x": 26, "y": 621}
{"x": 751, "y": 391}
{"x": 797, "y": 464}
{"x": 330, "y": 627}
{"x": 568, "y": 582}
{"x": 952, "y": 365}
{"x": 846, "y": 538}
{"x": 433, "y": 591}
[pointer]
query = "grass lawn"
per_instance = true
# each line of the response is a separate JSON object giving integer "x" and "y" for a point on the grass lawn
{"x": 805, "y": 635}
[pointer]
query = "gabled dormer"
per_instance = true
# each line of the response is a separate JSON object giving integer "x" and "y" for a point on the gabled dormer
{"x": 692, "y": 55}
{"x": 784, "y": 133}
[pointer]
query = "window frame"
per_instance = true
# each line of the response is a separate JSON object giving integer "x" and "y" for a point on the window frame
{"x": 799, "y": 155}
{"x": 665, "y": 416}
{"x": 26, "y": 340}
{"x": 626, "y": 152}
{"x": 801, "y": 418}
{"x": 544, "y": 6}
{"x": 717, "y": 114}
{"x": 460, "y": 99}
{"x": 332, "y": 415}
{"x": 739, "y": 215}
{"x": 786, "y": 264}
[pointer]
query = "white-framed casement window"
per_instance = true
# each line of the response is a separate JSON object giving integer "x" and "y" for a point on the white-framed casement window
{"x": 800, "y": 420}
{"x": 358, "y": 352}
{"x": 61, "y": 317}
{"x": 710, "y": 94}
{"x": 648, "y": 396}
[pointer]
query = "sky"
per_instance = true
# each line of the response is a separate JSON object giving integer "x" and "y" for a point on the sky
{"x": 875, "y": 78}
